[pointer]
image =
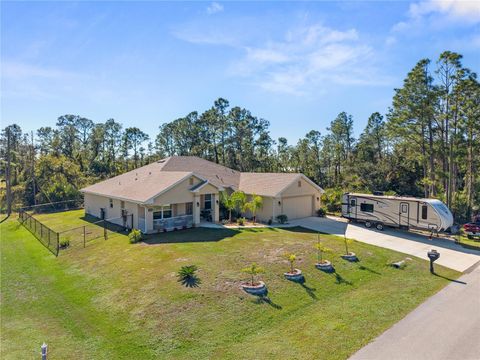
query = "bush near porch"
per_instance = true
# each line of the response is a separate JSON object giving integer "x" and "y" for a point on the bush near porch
{"x": 119, "y": 300}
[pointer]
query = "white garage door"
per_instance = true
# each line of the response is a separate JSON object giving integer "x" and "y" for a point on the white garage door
{"x": 297, "y": 207}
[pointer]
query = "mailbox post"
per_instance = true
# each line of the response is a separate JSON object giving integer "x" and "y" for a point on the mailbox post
{"x": 433, "y": 255}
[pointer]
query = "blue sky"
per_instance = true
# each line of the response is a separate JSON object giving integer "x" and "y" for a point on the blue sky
{"x": 296, "y": 64}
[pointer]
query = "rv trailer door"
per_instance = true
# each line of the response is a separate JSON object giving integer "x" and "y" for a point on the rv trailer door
{"x": 352, "y": 208}
{"x": 404, "y": 214}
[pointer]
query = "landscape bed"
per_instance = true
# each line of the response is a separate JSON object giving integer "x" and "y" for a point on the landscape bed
{"x": 119, "y": 300}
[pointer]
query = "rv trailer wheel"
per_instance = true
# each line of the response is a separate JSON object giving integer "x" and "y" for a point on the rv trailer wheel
{"x": 368, "y": 224}
{"x": 379, "y": 226}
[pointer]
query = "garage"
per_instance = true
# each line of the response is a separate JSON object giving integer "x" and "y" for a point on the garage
{"x": 297, "y": 207}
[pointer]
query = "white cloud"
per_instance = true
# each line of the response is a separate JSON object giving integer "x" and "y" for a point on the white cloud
{"x": 214, "y": 8}
{"x": 459, "y": 9}
{"x": 439, "y": 14}
{"x": 18, "y": 70}
{"x": 308, "y": 60}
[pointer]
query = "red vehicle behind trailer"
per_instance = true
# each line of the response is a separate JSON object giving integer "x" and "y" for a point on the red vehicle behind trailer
{"x": 472, "y": 229}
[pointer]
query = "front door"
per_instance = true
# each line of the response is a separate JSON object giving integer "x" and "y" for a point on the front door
{"x": 102, "y": 213}
{"x": 352, "y": 208}
{"x": 404, "y": 214}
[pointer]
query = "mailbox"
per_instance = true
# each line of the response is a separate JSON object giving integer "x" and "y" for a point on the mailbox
{"x": 433, "y": 255}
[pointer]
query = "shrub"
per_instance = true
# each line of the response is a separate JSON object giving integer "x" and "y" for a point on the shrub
{"x": 241, "y": 221}
{"x": 64, "y": 243}
{"x": 187, "y": 275}
{"x": 321, "y": 212}
{"x": 332, "y": 198}
{"x": 135, "y": 236}
{"x": 253, "y": 270}
{"x": 282, "y": 219}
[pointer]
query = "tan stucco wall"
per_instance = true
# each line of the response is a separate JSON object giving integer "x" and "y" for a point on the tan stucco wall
{"x": 180, "y": 193}
{"x": 93, "y": 204}
{"x": 305, "y": 189}
{"x": 266, "y": 212}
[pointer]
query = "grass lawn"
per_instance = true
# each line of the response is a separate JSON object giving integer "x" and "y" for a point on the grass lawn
{"x": 115, "y": 300}
{"x": 475, "y": 243}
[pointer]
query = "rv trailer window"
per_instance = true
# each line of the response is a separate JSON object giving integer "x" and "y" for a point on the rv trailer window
{"x": 353, "y": 202}
{"x": 366, "y": 207}
{"x": 404, "y": 208}
{"x": 424, "y": 211}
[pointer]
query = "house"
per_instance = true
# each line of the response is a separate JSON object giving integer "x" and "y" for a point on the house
{"x": 181, "y": 191}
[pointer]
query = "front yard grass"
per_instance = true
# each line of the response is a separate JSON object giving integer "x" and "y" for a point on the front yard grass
{"x": 119, "y": 300}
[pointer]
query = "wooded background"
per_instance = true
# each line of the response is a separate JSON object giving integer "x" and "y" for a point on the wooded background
{"x": 427, "y": 145}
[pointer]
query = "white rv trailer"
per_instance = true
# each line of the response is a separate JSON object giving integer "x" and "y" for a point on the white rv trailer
{"x": 397, "y": 211}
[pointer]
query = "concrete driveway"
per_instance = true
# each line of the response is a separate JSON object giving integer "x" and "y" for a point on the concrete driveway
{"x": 445, "y": 327}
{"x": 452, "y": 255}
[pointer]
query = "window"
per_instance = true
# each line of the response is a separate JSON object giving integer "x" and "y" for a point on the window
{"x": 167, "y": 212}
{"x": 207, "y": 205}
{"x": 404, "y": 208}
{"x": 299, "y": 183}
{"x": 353, "y": 203}
{"x": 111, "y": 202}
{"x": 189, "y": 208}
{"x": 366, "y": 207}
{"x": 122, "y": 204}
{"x": 164, "y": 213}
{"x": 424, "y": 212}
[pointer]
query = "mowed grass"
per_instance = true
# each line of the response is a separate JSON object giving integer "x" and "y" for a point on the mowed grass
{"x": 119, "y": 300}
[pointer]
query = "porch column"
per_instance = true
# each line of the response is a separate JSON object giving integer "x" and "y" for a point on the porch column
{"x": 196, "y": 210}
{"x": 216, "y": 208}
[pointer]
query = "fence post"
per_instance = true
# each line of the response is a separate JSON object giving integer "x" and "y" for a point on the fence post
{"x": 84, "y": 235}
{"x": 41, "y": 230}
{"x": 105, "y": 229}
{"x": 131, "y": 227}
{"x": 58, "y": 243}
{"x": 44, "y": 351}
{"x": 49, "y": 232}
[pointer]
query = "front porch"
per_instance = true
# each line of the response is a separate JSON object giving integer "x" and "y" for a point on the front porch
{"x": 178, "y": 216}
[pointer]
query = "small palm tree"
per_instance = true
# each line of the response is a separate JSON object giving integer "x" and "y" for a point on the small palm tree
{"x": 253, "y": 270}
{"x": 239, "y": 199}
{"x": 187, "y": 275}
{"x": 253, "y": 205}
{"x": 229, "y": 203}
{"x": 291, "y": 259}
{"x": 321, "y": 249}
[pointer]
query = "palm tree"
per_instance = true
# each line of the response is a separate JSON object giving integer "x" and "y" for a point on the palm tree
{"x": 239, "y": 199}
{"x": 253, "y": 205}
{"x": 229, "y": 203}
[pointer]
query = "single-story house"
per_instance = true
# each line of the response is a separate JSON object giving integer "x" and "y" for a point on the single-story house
{"x": 181, "y": 191}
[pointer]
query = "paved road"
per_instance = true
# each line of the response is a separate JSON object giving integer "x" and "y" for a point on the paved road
{"x": 445, "y": 327}
{"x": 452, "y": 255}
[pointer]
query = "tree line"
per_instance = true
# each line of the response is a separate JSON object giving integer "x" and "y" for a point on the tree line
{"x": 426, "y": 145}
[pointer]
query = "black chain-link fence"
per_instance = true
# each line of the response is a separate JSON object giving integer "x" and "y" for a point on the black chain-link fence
{"x": 54, "y": 206}
{"x": 80, "y": 236}
{"x": 75, "y": 237}
{"x": 48, "y": 237}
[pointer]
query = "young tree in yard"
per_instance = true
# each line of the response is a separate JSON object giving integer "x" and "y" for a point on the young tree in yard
{"x": 253, "y": 270}
{"x": 254, "y": 205}
{"x": 229, "y": 203}
{"x": 239, "y": 199}
{"x": 291, "y": 258}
